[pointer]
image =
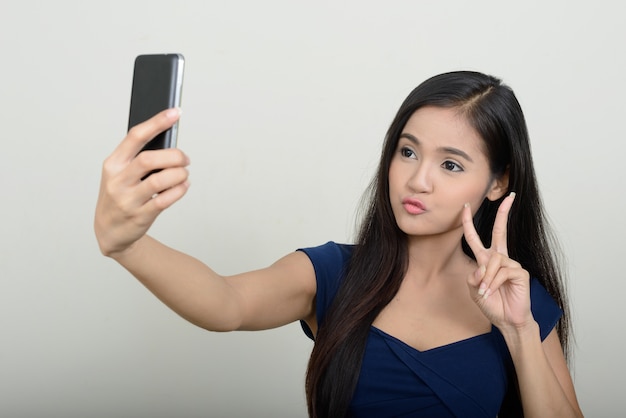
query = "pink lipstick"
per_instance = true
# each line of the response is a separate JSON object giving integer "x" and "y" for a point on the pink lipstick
{"x": 413, "y": 206}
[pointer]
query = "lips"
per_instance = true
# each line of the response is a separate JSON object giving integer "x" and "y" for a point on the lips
{"x": 413, "y": 206}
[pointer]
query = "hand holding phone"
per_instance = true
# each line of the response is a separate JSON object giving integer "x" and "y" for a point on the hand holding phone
{"x": 126, "y": 208}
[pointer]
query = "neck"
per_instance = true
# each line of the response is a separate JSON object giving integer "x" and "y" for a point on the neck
{"x": 435, "y": 256}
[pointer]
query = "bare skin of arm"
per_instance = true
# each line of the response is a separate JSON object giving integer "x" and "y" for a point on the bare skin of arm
{"x": 127, "y": 206}
{"x": 256, "y": 300}
{"x": 545, "y": 383}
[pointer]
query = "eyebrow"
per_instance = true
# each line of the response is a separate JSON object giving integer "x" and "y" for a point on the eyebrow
{"x": 447, "y": 150}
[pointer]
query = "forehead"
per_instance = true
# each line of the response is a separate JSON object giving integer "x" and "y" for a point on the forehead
{"x": 439, "y": 127}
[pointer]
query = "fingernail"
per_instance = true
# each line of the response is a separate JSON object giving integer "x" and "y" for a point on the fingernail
{"x": 466, "y": 205}
{"x": 512, "y": 194}
{"x": 173, "y": 112}
{"x": 482, "y": 289}
{"x": 487, "y": 293}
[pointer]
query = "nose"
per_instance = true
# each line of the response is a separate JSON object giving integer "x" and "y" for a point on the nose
{"x": 421, "y": 178}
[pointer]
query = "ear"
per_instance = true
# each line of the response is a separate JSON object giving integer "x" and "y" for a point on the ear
{"x": 499, "y": 186}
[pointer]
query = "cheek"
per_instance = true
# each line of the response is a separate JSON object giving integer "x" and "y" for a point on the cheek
{"x": 472, "y": 195}
{"x": 392, "y": 176}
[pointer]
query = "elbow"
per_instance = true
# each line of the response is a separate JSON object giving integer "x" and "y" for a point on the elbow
{"x": 226, "y": 320}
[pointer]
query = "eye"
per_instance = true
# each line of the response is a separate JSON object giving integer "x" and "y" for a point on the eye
{"x": 451, "y": 166}
{"x": 407, "y": 152}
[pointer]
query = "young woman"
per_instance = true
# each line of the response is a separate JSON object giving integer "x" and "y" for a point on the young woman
{"x": 450, "y": 303}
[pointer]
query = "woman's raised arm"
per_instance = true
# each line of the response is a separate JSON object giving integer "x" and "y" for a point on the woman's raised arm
{"x": 127, "y": 206}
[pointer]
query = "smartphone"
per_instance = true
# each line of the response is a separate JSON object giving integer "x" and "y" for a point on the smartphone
{"x": 157, "y": 85}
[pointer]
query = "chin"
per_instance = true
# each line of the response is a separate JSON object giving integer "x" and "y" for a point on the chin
{"x": 423, "y": 230}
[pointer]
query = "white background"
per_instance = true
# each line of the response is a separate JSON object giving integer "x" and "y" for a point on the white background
{"x": 285, "y": 108}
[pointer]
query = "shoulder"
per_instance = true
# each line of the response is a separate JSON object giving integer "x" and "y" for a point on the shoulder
{"x": 544, "y": 308}
{"x": 328, "y": 257}
{"x": 329, "y": 262}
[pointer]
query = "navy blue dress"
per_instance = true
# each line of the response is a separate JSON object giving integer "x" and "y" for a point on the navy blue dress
{"x": 468, "y": 378}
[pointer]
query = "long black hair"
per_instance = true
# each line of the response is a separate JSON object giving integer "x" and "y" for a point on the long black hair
{"x": 380, "y": 258}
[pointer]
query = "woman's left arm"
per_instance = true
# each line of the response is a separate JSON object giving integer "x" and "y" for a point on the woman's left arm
{"x": 501, "y": 288}
{"x": 545, "y": 384}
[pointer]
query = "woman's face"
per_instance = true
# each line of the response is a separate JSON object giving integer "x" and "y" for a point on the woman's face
{"x": 438, "y": 166}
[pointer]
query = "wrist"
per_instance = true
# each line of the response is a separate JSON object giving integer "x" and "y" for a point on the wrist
{"x": 120, "y": 255}
{"x": 519, "y": 336}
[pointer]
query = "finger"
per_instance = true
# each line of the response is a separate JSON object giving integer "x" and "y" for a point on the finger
{"x": 499, "y": 233}
{"x": 505, "y": 274}
{"x": 497, "y": 271}
{"x": 159, "y": 182}
{"x": 141, "y": 134}
{"x": 168, "y": 197}
{"x": 476, "y": 277}
{"x": 149, "y": 161}
{"x": 469, "y": 231}
{"x": 490, "y": 271}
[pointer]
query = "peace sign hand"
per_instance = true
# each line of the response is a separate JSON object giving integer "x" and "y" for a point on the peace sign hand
{"x": 500, "y": 286}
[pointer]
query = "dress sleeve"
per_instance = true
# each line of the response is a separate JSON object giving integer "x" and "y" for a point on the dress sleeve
{"x": 544, "y": 309}
{"x": 329, "y": 262}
